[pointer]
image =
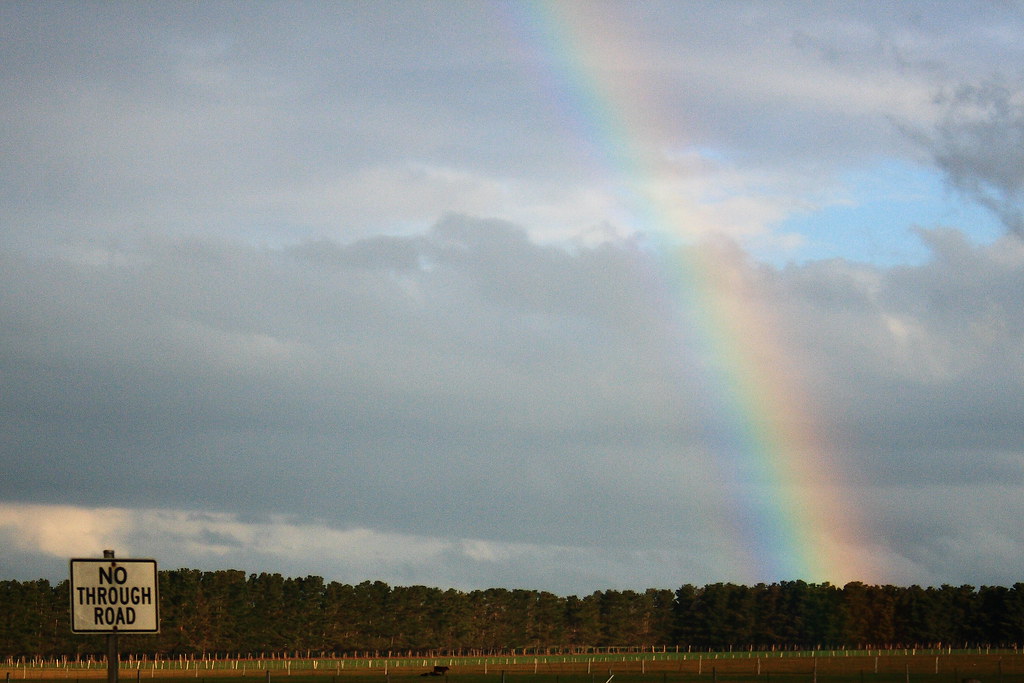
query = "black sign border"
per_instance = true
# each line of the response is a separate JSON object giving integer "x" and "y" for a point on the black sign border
{"x": 112, "y": 561}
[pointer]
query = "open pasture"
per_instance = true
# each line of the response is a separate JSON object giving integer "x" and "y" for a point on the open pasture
{"x": 885, "y": 666}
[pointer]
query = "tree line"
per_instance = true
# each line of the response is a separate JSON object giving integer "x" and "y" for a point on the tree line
{"x": 230, "y": 613}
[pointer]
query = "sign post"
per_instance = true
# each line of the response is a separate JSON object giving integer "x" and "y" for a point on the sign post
{"x": 114, "y": 596}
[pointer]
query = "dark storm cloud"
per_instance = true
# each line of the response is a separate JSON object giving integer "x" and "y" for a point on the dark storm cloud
{"x": 467, "y": 376}
{"x": 467, "y": 359}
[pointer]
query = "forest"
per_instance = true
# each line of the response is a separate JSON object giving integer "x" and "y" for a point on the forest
{"x": 230, "y": 613}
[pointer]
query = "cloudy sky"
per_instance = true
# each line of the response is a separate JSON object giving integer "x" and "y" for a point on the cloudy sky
{"x": 562, "y": 296}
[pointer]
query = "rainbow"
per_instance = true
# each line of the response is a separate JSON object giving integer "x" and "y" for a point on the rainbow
{"x": 789, "y": 518}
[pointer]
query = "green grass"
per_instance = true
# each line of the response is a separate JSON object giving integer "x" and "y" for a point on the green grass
{"x": 527, "y": 677}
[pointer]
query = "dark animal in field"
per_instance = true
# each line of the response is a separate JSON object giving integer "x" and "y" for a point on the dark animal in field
{"x": 438, "y": 671}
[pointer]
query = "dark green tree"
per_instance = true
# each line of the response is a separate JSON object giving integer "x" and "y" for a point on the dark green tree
{"x": 583, "y": 621}
{"x": 868, "y": 615}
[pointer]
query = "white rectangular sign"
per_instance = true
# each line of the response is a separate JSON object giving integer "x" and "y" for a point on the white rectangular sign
{"x": 114, "y": 596}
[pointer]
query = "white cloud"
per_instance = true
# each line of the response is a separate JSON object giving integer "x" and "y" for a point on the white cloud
{"x": 202, "y": 539}
{"x": 64, "y": 530}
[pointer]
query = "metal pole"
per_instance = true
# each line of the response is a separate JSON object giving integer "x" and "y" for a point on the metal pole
{"x": 112, "y": 658}
{"x": 112, "y": 652}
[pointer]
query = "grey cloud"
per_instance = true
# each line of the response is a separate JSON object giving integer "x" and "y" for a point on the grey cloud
{"x": 918, "y": 366}
{"x": 466, "y": 378}
{"x": 979, "y": 142}
{"x": 206, "y": 371}
{"x": 199, "y": 309}
{"x": 200, "y": 119}
{"x": 372, "y": 253}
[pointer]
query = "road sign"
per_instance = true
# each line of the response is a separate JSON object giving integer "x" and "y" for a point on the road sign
{"x": 114, "y": 596}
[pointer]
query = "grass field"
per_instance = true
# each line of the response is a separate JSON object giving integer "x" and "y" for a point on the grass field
{"x": 886, "y": 666}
